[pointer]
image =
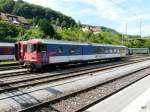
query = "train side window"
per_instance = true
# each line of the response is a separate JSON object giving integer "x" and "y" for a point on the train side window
{"x": 115, "y": 50}
{"x": 72, "y": 51}
{"x": 118, "y": 51}
{"x": 29, "y": 48}
{"x": 44, "y": 47}
{"x": 106, "y": 50}
{"x": 6, "y": 51}
{"x": 60, "y": 50}
{"x": 110, "y": 50}
{"x": 103, "y": 50}
{"x": 100, "y": 51}
{"x": 96, "y": 50}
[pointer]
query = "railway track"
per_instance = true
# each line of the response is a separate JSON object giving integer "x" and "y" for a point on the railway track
{"x": 9, "y": 85}
{"x": 13, "y": 73}
{"x": 14, "y": 66}
{"x": 80, "y": 100}
{"x": 10, "y": 67}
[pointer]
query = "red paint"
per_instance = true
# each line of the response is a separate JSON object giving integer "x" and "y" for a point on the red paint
{"x": 33, "y": 57}
{"x": 22, "y": 46}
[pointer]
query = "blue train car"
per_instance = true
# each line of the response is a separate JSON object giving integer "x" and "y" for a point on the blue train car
{"x": 42, "y": 52}
{"x": 7, "y": 51}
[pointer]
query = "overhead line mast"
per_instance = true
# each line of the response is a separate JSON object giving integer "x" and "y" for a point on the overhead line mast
{"x": 129, "y": 12}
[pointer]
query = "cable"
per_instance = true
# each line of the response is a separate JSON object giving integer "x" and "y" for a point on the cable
{"x": 124, "y": 8}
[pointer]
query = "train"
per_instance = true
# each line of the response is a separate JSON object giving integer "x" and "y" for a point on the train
{"x": 139, "y": 51}
{"x": 37, "y": 53}
{"x": 7, "y": 51}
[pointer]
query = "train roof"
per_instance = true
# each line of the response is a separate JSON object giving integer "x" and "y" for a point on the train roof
{"x": 4, "y": 44}
{"x": 138, "y": 48}
{"x": 70, "y": 43}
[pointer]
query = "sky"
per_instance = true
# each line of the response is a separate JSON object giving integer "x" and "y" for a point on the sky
{"x": 117, "y": 14}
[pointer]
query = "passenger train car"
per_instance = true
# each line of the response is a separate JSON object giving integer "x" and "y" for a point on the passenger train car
{"x": 139, "y": 51}
{"x": 7, "y": 51}
{"x": 44, "y": 52}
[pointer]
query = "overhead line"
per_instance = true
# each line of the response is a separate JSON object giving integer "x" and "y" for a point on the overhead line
{"x": 124, "y": 8}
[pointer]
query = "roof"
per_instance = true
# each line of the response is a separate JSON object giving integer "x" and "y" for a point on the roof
{"x": 3, "y": 17}
{"x": 20, "y": 19}
{"x": 138, "y": 48}
{"x": 2, "y": 44}
{"x": 69, "y": 42}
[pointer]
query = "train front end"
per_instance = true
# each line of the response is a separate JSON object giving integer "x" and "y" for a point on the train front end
{"x": 33, "y": 55}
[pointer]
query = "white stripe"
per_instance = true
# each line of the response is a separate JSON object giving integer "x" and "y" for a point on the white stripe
{"x": 73, "y": 58}
{"x": 57, "y": 59}
{"x": 7, "y": 57}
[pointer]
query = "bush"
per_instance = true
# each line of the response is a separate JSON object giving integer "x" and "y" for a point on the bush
{"x": 9, "y": 30}
{"x": 33, "y": 32}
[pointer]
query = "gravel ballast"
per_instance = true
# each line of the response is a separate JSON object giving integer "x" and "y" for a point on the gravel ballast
{"x": 72, "y": 104}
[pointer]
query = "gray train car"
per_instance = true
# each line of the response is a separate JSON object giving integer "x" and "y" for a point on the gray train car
{"x": 139, "y": 51}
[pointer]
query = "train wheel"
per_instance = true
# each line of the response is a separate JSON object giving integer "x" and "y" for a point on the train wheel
{"x": 31, "y": 68}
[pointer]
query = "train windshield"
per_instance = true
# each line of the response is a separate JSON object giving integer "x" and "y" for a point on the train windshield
{"x": 31, "y": 48}
{"x": 36, "y": 48}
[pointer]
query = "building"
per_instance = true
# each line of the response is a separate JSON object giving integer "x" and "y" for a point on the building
{"x": 94, "y": 29}
{"x": 18, "y": 20}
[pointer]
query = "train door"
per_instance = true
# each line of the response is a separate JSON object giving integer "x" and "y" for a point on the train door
{"x": 17, "y": 51}
{"x": 44, "y": 54}
{"x": 82, "y": 55}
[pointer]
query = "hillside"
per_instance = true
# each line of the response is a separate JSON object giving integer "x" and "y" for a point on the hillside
{"x": 55, "y": 25}
{"x": 35, "y": 12}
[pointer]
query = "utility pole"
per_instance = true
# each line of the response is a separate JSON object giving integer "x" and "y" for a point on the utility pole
{"x": 124, "y": 35}
{"x": 141, "y": 27}
{"x": 126, "y": 38}
{"x": 126, "y": 29}
{"x": 122, "y": 38}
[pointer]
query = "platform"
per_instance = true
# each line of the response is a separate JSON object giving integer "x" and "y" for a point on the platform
{"x": 135, "y": 98}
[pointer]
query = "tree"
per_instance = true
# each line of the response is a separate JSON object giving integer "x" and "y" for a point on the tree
{"x": 57, "y": 22}
{"x": 33, "y": 32}
{"x": 31, "y": 11}
{"x": 63, "y": 24}
{"x": 7, "y": 29}
{"x": 46, "y": 27}
{"x": 79, "y": 24}
{"x": 6, "y": 5}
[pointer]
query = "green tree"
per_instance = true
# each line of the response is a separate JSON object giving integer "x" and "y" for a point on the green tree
{"x": 46, "y": 27}
{"x": 57, "y": 22}
{"x": 30, "y": 11}
{"x": 32, "y": 33}
{"x": 7, "y": 29}
{"x": 63, "y": 24}
{"x": 6, "y": 5}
